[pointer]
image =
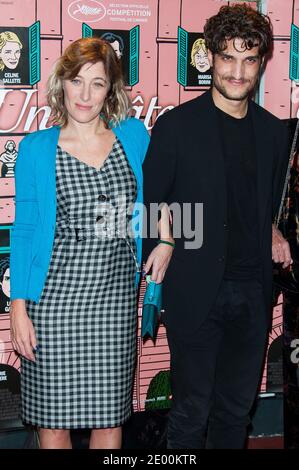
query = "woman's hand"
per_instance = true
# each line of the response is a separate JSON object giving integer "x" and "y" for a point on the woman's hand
{"x": 280, "y": 248}
{"x": 21, "y": 330}
{"x": 158, "y": 262}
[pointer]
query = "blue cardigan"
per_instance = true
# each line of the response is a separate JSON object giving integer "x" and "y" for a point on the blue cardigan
{"x": 34, "y": 227}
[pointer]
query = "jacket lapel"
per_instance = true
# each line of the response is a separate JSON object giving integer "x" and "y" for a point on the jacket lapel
{"x": 46, "y": 173}
{"x": 211, "y": 147}
{"x": 263, "y": 147}
{"x": 131, "y": 151}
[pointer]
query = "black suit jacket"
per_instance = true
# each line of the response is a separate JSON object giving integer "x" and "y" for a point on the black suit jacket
{"x": 185, "y": 164}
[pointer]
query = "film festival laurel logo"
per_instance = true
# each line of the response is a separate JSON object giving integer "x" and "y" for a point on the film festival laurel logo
{"x": 89, "y": 10}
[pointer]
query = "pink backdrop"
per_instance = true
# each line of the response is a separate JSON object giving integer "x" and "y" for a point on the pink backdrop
{"x": 22, "y": 108}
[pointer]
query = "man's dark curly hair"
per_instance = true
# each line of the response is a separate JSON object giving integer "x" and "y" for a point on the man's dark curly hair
{"x": 239, "y": 21}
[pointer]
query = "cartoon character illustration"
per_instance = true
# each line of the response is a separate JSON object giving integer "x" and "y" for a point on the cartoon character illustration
{"x": 116, "y": 42}
{"x": 8, "y": 159}
{"x": 10, "y": 50}
{"x": 199, "y": 56}
{"x": 5, "y": 276}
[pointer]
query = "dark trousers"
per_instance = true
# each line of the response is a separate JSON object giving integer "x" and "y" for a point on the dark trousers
{"x": 216, "y": 373}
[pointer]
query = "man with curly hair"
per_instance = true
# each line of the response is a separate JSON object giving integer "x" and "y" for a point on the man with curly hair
{"x": 225, "y": 151}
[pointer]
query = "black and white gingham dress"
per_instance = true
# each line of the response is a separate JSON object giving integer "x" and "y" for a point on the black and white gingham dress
{"x": 86, "y": 318}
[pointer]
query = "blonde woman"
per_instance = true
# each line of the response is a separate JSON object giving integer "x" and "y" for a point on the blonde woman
{"x": 10, "y": 50}
{"x": 73, "y": 270}
{"x": 199, "y": 56}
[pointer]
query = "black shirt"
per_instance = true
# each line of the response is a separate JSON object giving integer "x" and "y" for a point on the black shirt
{"x": 243, "y": 260}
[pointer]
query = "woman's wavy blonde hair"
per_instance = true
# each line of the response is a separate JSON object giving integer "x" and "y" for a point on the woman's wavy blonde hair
{"x": 67, "y": 67}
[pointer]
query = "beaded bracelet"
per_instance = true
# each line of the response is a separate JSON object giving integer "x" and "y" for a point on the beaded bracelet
{"x": 167, "y": 243}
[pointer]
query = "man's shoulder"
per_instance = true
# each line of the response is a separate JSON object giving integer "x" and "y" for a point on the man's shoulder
{"x": 185, "y": 111}
{"x": 267, "y": 118}
{"x": 39, "y": 136}
{"x": 133, "y": 130}
{"x": 131, "y": 124}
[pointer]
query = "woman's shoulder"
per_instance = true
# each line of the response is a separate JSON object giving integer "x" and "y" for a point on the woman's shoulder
{"x": 39, "y": 136}
{"x": 132, "y": 124}
{"x": 134, "y": 133}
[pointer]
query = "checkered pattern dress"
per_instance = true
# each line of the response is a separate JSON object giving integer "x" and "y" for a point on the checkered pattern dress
{"x": 86, "y": 318}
